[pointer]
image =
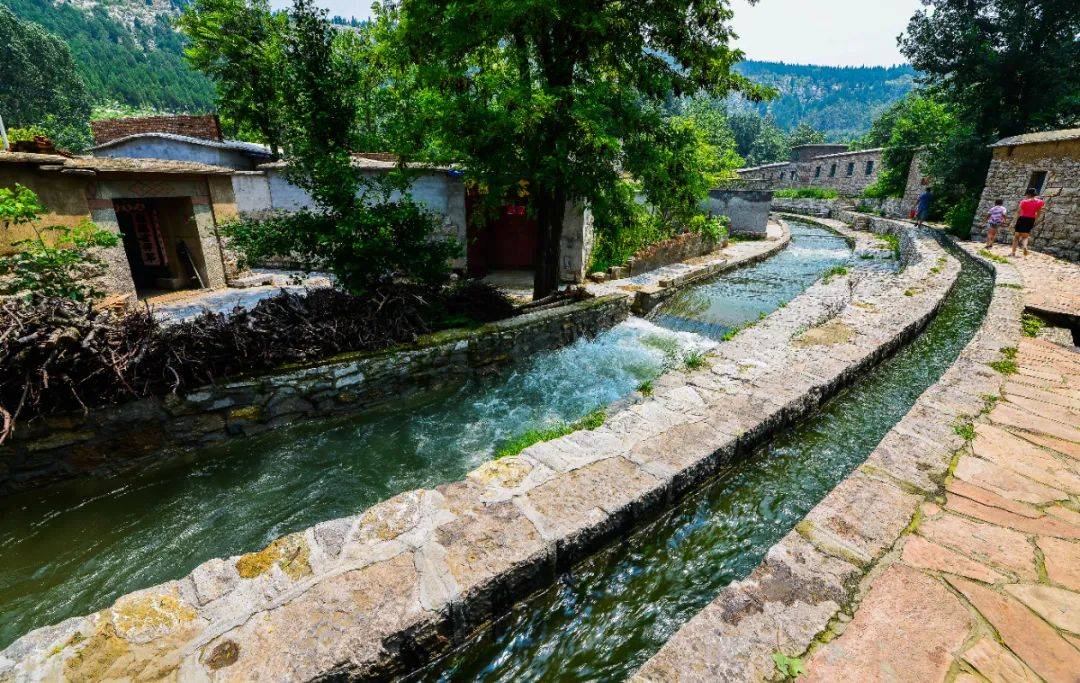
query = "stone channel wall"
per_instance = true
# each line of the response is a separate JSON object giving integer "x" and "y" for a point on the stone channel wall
{"x": 375, "y": 594}
{"x": 805, "y": 587}
{"x": 115, "y": 438}
{"x": 891, "y": 207}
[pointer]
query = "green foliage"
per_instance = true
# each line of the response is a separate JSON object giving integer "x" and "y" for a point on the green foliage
{"x": 519, "y": 443}
{"x": 789, "y": 667}
{"x": 58, "y": 261}
{"x": 835, "y": 271}
{"x": 965, "y": 430}
{"x": 360, "y": 233}
{"x": 1007, "y": 365}
{"x": 139, "y": 64}
{"x": 892, "y": 242}
{"x": 1031, "y": 325}
{"x": 961, "y": 216}
{"x": 914, "y": 122}
{"x": 806, "y": 193}
{"x": 568, "y": 96}
{"x": 1002, "y": 67}
{"x": 39, "y": 84}
{"x": 805, "y": 134}
{"x": 238, "y": 44}
{"x": 645, "y": 388}
{"x": 987, "y": 254}
{"x": 694, "y": 360}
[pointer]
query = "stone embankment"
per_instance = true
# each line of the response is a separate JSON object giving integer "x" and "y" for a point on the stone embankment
{"x": 380, "y": 592}
{"x": 805, "y": 590}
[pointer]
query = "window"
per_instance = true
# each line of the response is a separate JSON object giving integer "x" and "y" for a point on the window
{"x": 832, "y": 171}
{"x": 817, "y": 172}
{"x": 1038, "y": 181}
{"x": 851, "y": 169}
{"x": 869, "y": 167}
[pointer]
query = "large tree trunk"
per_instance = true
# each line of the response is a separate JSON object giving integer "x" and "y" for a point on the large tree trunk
{"x": 550, "y": 210}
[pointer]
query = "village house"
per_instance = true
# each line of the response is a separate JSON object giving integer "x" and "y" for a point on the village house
{"x": 826, "y": 166}
{"x": 166, "y": 213}
{"x": 1049, "y": 163}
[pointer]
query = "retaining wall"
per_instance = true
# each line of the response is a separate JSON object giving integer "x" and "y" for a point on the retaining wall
{"x": 119, "y": 437}
{"x": 375, "y": 594}
{"x": 806, "y": 583}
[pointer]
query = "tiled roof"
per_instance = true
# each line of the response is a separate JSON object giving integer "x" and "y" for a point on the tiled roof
{"x": 111, "y": 164}
{"x": 778, "y": 164}
{"x": 1034, "y": 138}
{"x": 252, "y": 148}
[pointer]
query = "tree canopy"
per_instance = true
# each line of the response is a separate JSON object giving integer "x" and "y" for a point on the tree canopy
{"x": 39, "y": 84}
{"x": 565, "y": 95}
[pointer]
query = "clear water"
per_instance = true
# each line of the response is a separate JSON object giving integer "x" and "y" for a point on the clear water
{"x": 611, "y": 613}
{"x": 74, "y": 548}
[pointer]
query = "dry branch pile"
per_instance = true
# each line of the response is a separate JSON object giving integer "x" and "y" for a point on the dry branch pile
{"x": 57, "y": 355}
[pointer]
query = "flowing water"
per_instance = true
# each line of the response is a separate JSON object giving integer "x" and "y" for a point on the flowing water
{"x": 74, "y": 548}
{"x": 611, "y": 613}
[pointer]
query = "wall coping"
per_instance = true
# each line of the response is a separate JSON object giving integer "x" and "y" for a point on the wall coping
{"x": 810, "y": 579}
{"x": 380, "y": 592}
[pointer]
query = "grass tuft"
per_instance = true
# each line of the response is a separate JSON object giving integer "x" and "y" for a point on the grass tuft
{"x": 986, "y": 253}
{"x": 694, "y": 360}
{"x": 835, "y": 271}
{"x": 534, "y": 436}
{"x": 1031, "y": 325}
{"x": 645, "y": 388}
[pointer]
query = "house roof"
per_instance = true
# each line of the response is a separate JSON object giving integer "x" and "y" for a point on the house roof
{"x": 777, "y": 164}
{"x": 250, "y": 148}
{"x": 376, "y": 161}
{"x": 1035, "y": 138}
{"x": 848, "y": 153}
{"x": 81, "y": 165}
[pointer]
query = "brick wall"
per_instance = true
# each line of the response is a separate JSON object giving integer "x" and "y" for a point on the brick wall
{"x": 206, "y": 127}
{"x": 1057, "y": 230}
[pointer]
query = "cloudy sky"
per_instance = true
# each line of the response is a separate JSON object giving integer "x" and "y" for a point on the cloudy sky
{"x": 832, "y": 32}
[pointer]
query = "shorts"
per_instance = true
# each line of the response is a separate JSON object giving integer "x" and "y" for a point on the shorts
{"x": 993, "y": 226}
{"x": 922, "y": 214}
{"x": 1024, "y": 224}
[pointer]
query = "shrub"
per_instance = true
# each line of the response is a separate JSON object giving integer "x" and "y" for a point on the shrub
{"x": 961, "y": 217}
{"x": 59, "y": 261}
{"x": 806, "y": 193}
{"x": 876, "y": 191}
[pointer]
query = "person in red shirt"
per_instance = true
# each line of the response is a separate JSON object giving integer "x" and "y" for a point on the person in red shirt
{"x": 1030, "y": 206}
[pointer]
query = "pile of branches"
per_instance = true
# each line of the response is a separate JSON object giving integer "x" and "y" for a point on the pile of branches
{"x": 58, "y": 355}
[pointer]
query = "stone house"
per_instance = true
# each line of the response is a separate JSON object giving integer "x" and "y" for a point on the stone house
{"x": 825, "y": 166}
{"x": 1049, "y": 162}
{"x": 166, "y": 213}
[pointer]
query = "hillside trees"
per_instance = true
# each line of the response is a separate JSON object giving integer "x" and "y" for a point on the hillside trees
{"x": 564, "y": 95}
{"x": 39, "y": 84}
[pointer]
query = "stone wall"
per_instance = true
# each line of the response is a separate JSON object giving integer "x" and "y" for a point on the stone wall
{"x": 179, "y": 150}
{"x": 917, "y": 181}
{"x": 115, "y": 438}
{"x": 747, "y": 209}
{"x": 417, "y": 574}
{"x": 848, "y": 173}
{"x": 206, "y": 127}
{"x": 679, "y": 248}
{"x": 1057, "y": 230}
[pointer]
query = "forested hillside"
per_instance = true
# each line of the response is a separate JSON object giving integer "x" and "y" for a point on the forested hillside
{"x": 126, "y": 51}
{"x": 841, "y": 102}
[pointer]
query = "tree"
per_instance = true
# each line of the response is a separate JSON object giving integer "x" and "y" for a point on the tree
{"x": 708, "y": 116}
{"x": 1006, "y": 66}
{"x": 771, "y": 145}
{"x": 805, "y": 134}
{"x": 359, "y": 230}
{"x": 39, "y": 85}
{"x": 562, "y": 94}
{"x": 916, "y": 122}
{"x": 238, "y": 44}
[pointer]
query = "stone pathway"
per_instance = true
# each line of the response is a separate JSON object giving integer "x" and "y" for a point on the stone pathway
{"x": 987, "y": 586}
{"x": 1050, "y": 284}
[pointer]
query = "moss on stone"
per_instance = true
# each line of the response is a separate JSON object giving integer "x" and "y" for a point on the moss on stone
{"x": 252, "y": 413}
{"x": 290, "y": 553}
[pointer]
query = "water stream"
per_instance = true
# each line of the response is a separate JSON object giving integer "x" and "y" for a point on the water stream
{"x": 612, "y": 612}
{"x": 74, "y": 548}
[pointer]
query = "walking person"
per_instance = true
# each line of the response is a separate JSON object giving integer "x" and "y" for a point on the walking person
{"x": 922, "y": 207}
{"x": 1030, "y": 206}
{"x": 995, "y": 218}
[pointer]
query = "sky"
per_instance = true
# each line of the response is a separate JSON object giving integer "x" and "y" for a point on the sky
{"x": 829, "y": 32}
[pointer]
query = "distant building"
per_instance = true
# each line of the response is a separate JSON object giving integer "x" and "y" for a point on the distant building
{"x": 1050, "y": 163}
{"x": 166, "y": 213}
{"x": 826, "y": 166}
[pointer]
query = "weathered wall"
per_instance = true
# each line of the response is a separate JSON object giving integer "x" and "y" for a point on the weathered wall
{"x": 747, "y": 209}
{"x": 1057, "y": 230}
{"x": 112, "y": 439}
{"x": 64, "y": 197}
{"x": 178, "y": 150}
{"x": 252, "y": 192}
{"x": 917, "y": 181}
{"x": 849, "y": 173}
{"x": 207, "y": 126}
{"x": 673, "y": 250}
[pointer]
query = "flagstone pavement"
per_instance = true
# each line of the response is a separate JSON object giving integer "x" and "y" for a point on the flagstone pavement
{"x": 986, "y": 587}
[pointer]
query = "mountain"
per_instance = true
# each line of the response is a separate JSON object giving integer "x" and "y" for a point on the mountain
{"x": 841, "y": 102}
{"x": 127, "y": 51}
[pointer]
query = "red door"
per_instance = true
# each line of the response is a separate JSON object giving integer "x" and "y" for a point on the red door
{"x": 508, "y": 241}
